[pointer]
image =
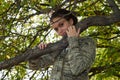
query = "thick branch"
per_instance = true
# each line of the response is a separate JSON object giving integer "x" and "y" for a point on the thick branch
{"x": 33, "y": 53}
{"x": 60, "y": 45}
{"x": 98, "y": 21}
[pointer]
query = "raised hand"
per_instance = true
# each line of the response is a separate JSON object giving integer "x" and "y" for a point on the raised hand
{"x": 72, "y": 32}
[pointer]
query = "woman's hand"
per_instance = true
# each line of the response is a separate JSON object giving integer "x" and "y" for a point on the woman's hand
{"x": 72, "y": 32}
{"x": 42, "y": 45}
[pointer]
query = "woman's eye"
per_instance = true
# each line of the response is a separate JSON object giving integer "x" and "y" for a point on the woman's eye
{"x": 61, "y": 25}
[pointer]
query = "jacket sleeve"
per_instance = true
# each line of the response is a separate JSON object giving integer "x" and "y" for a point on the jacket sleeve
{"x": 42, "y": 61}
{"x": 81, "y": 54}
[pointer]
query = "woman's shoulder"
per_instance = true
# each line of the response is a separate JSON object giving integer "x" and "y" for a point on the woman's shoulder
{"x": 86, "y": 39}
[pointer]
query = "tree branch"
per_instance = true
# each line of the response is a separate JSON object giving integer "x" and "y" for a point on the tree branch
{"x": 118, "y": 75}
{"x": 33, "y": 53}
{"x": 60, "y": 45}
{"x": 96, "y": 70}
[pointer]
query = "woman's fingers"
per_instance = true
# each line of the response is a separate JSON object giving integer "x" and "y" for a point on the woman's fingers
{"x": 78, "y": 31}
{"x": 71, "y": 32}
{"x": 42, "y": 45}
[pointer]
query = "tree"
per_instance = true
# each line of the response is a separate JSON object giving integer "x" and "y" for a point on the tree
{"x": 20, "y": 32}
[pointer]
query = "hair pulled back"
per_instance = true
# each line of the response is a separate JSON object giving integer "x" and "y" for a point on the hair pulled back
{"x": 65, "y": 14}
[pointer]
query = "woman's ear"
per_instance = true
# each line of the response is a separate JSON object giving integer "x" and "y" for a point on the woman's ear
{"x": 71, "y": 21}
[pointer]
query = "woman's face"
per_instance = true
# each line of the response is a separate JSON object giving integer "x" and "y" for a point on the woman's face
{"x": 60, "y": 25}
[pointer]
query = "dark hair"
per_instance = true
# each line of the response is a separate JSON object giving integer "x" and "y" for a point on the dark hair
{"x": 65, "y": 14}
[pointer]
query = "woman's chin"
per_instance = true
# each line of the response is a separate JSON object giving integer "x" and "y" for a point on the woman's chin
{"x": 64, "y": 34}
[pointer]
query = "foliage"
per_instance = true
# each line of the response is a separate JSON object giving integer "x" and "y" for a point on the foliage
{"x": 25, "y": 23}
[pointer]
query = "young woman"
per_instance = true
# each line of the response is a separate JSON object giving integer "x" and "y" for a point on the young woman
{"x": 74, "y": 62}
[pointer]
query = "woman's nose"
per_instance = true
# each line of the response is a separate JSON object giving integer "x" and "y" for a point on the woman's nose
{"x": 60, "y": 30}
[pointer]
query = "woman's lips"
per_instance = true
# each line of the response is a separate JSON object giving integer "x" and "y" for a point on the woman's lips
{"x": 63, "y": 33}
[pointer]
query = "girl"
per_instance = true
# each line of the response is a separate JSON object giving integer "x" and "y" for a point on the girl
{"x": 74, "y": 62}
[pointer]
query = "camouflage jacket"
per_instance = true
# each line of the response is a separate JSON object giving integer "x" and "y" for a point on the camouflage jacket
{"x": 73, "y": 63}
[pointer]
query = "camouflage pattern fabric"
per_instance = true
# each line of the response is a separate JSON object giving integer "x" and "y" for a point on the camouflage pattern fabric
{"x": 73, "y": 63}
